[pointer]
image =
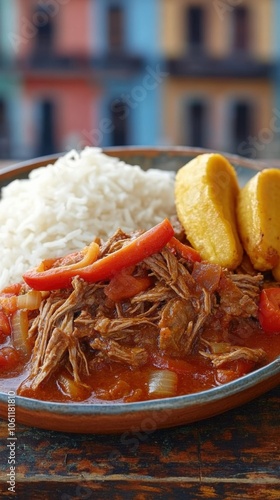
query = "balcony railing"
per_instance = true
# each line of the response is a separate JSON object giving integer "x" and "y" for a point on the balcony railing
{"x": 53, "y": 63}
{"x": 234, "y": 66}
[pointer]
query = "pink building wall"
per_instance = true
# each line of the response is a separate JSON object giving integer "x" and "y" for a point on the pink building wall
{"x": 72, "y": 22}
{"x": 75, "y": 25}
{"x": 75, "y": 109}
{"x": 69, "y": 88}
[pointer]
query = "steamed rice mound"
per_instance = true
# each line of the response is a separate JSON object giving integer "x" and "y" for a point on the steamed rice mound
{"x": 62, "y": 207}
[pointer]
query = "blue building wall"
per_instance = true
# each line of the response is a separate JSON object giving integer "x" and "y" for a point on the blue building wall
{"x": 143, "y": 108}
{"x": 141, "y": 26}
{"x": 8, "y": 22}
{"x": 140, "y": 89}
{"x": 10, "y": 81}
{"x": 276, "y": 43}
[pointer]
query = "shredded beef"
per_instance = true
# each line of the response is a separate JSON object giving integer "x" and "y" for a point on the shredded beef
{"x": 233, "y": 353}
{"x": 78, "y": 325}
{"x": 133, "y": 356}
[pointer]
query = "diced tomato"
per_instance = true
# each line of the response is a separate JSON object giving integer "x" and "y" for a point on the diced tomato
{"x": 269, "y": 310}
{"x": 243, "y": 366}
{"x": 9, "y": 359}
{"x": 5, "y": 328}
{"x": 234, "y": 370}
{"x": 8, "y": 297}
{"x": 179, "y": 366}
{"x": 123, "y": 285}
{"x": 8, "y": 303}
{"x": 13, "y": 289}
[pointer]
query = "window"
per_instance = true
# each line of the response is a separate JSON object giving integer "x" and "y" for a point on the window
{"x": 196, "y": 124}
{"x": 4, "y": 131}
{"x": 45, "y": 30}
{"x": 46, "y": 142}
{"x": 241, "y": 29}
{"x": 242, "y": 123}
{"x": 119, "y": 117}
{"x": 195, "y": 28}
{"x": 115, "y": 28}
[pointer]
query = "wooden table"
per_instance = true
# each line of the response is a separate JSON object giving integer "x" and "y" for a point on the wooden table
{"x": 231, "y": 456}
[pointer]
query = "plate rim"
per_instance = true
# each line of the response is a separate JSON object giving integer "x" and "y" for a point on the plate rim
{"x": 200, "y": 398}
{"x": 242, "y": 161}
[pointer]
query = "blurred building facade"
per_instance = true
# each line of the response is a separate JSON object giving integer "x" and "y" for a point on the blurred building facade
{"x": 141, "y": 72}
{"x": 10, "y": 86}
{"x": 220, "y": 59}
{"x": 53, "y": 55}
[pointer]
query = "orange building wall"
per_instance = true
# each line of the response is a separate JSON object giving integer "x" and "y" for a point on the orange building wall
{"x": 218, "y": 94}
{"x": 218, "y": 28}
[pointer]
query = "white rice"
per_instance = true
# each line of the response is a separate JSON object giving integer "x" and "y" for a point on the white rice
{"x": 62, "y": 207}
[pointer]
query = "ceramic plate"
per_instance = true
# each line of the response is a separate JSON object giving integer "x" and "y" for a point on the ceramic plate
{"x": 148, "y": 415}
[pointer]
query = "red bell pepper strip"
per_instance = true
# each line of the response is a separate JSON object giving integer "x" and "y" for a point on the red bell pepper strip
{"x": 269, "y": 310}
{"x": 185, "y": 251}
{"x": 89, "y": 255}
{"x": 148, "y": 243}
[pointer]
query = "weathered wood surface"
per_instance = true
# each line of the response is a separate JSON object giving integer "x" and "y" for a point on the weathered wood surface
{"x": 231, "y": 456}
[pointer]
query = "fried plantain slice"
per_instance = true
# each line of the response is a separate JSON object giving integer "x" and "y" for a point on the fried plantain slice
{"x": 258, "y": 214}
{"x": 206, "y": 191}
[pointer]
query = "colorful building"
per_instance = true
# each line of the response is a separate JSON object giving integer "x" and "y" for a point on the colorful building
{"x": 91, "y": 73}
{"x": 141, "y": 72}
{"x": 220, "y": 59}
{"x": 10, "y": 86}
{"x": 128, "y": 43}
{"x": 54, "y": 60}
{"x": 275, "y": 127}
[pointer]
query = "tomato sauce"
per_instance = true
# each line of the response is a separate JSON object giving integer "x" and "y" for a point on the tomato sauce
{"x": 115, "y": 383}
{"x": 164, "y": 327}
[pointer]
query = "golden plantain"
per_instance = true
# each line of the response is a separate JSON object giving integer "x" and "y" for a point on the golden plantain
{"x": 206, "y": 191}
{"x": 258, "y": 215}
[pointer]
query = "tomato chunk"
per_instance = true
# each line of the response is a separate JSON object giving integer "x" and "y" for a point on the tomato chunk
{"x": 269, "y": 310}
{"x": 5, "y": 328}
{"x": 179, "y": 366}
{"x": 233, "y": 370}
{"x": 13, "y": 289}
{"x": 123, "y": 286}
{"x": 9, "y": 359}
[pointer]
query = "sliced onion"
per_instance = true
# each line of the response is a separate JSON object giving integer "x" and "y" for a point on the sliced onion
{"x": 163, "y": 383}
{"x": 74, "y": 390}
{"x": 90, "y": 255}
{"x": 19, "y": 324}
{"x": 219, "y": 347}
{"x": 30, "y": 300}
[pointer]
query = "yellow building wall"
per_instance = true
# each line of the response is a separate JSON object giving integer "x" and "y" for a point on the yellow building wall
{"x": 219, "y": 94}
{"x": 218, "y": 27}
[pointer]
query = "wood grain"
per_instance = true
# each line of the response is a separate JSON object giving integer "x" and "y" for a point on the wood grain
{"x": 232, "y": 456}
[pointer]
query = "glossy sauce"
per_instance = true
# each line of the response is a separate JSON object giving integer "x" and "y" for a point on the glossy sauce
{"x": 114, "y": 383}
